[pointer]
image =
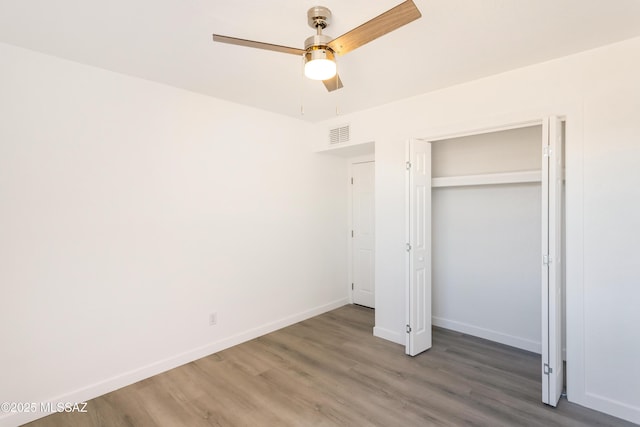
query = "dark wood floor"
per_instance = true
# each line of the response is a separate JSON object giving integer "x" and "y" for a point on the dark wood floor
{"x": 329, "y": 371}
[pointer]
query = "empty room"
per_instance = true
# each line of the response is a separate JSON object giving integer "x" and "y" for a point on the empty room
{"x": 285, "y": 213}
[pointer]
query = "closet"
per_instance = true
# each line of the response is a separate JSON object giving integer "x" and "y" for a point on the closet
{"x": 484, "y": 240}
{"x": 486, "y": 221}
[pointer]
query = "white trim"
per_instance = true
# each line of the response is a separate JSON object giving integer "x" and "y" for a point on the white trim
{"x": 574, "y": 258}
{"x": 389, "y": 335}
{"x": 613, "y": 407}
{"x": 349, "y": 150}
{"x": 365, "y": 158}
{"x": 350, "y": 228}
{"x": 155, "y": 368}
{"x": 488, "y": 179}
{"x": 493, "y": 124}
{"x": 488, "y": 334}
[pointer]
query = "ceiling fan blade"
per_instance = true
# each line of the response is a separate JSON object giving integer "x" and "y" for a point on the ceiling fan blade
{"x": 257, "y": 45}
{"x": 334, "y": 83}
{"x": 390, "y": 20}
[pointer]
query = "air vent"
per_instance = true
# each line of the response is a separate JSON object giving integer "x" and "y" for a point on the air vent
{"x": 339, "y": 135}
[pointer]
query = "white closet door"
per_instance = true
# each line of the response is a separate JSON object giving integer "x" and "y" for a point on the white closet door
{"x": 552, "y": 176}
{"x": 363, "y": 234}
{"x": 419, "y": 248}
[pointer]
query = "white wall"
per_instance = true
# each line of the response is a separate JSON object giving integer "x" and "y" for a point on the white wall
{"x": 130, "y": 210}
{"x": 486, "y": 275}
{"x": 511, "y": 150}
{"x": 598, "y": 92}
{"x": 486, "y": 239}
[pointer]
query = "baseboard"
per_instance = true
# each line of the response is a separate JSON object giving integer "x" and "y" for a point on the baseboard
{"x": 127, "y": 378}
{"x": 389, "y": 335}
{"x": 612, "y": 407}
{"x": 488, "y": 334}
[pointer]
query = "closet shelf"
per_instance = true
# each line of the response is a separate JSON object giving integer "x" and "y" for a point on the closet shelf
{"x": 488, "y": 179}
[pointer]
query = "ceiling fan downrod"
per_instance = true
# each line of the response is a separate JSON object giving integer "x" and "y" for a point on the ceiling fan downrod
{"x": 319, "y": 17}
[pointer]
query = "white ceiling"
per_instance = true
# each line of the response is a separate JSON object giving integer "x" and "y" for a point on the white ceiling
{"x": 169, "y": 41}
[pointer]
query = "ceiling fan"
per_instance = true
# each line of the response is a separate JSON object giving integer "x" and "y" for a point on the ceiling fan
{"x": 320, "y": 50}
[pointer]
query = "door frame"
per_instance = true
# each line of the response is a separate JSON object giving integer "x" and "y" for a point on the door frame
{"x": 470, "y": 129}
{"x": 366, "y": 158}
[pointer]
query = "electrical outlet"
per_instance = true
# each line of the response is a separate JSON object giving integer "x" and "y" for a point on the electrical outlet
{"x": 213, "y": 319}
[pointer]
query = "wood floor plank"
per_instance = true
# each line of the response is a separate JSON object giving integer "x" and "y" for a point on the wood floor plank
{"x": 331, "y": 371}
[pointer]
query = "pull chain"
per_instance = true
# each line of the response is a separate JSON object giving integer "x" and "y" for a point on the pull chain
{"x": 302, "y": 88}
{"x": 338, "y": 96}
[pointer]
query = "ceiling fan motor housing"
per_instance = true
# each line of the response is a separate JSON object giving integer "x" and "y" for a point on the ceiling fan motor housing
{"x": 319, "y": 40}
{"x": 317, "y": 48}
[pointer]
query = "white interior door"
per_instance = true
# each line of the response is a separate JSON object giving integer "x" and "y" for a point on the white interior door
{"x": 363, "y": 237}
{"x": 418, "y": 248}
{"x": 552, "y": 185}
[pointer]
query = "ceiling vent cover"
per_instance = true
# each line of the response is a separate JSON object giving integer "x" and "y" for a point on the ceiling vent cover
{"x": 339, "y": 135}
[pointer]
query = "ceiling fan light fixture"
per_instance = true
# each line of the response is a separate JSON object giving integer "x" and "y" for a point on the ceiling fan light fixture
{"x": 320, "y": 64}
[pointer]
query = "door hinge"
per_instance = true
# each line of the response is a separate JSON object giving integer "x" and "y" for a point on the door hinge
{"x": 351, "y": 233}
{"x": 546, "y": 151}
{"x": 408, "y": 165}
{"x": 351, "y": 181}
{"x": 352, "y": 286}
{"x": 408, "y": 328}
{"x": 547, "y": 369}
{"x": 546, "y": 260}
{"x": 408, "y": 247}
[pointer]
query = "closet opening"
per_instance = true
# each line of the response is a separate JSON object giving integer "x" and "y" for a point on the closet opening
{"x": 495, "y": 215}
{"x": 486, "y": 222}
